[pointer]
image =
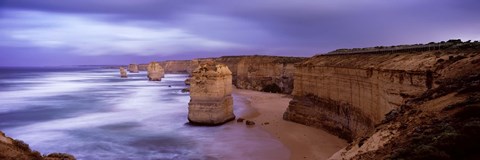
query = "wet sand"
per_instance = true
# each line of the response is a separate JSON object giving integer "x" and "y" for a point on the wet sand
{"x": 303, "y": 142}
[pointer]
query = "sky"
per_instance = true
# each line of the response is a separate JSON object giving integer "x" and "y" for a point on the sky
{"x": 96, "y": 32}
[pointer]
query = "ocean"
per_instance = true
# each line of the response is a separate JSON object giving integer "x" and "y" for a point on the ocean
{"x": 92, "y": 113}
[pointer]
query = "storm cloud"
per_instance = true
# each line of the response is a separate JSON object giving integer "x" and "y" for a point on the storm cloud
{"x": 145, "y": 30}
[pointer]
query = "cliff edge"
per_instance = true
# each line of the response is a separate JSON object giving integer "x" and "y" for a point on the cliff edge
{"x": 410, "y": 103}
{"x": 348, "y": 94}
{"x": 260, "y": 73}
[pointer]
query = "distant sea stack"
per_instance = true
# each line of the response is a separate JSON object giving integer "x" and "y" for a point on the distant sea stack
{"x": 210, "y": 92}
{"x": 155, "y": 71}
{"x": 123, "y": 73}
{"x": 133, "y": 68}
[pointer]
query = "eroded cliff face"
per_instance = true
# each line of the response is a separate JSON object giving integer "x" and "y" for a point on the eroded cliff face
{"x": 441, "y": 123}
{"x": 177, "y": 66}
{"x": 260, "y": 73}
{"x": 349, "y": 94}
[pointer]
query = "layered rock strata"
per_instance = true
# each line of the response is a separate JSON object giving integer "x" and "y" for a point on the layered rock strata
{"x": 123, "y": 73}
{"x": 211, "y": 102}
{"x": 177, "y": 66}
{"x": 441, "y": 123}
{"x": 260, "y": 73}
{"x": 155, "y": 71}
{"x": 348, "y": 94}
{"x": 133, "y": 68}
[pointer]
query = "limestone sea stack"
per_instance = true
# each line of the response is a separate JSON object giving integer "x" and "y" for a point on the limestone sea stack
{"x": 211, "y": 102}
{"x": 133, "y": 68}
{"x": 155, "y": 71}
{"x": 123, "y": 73}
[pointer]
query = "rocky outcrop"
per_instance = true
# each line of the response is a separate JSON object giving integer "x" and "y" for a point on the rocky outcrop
{"x": 17, "y": 149}
{"x": 348, "y": 94}
{"x": 260, "y": 73}
{"x": 155, "y": 71}
{"x": 211, "y": 102}
{"x": 123, "y": 73}
{"x": 177, "y": 66}
{"x": 133, "y": 68}
{"x": 195, "y": 63}
{"x": 172, "y": 66}
{"x": 442, "y": 123}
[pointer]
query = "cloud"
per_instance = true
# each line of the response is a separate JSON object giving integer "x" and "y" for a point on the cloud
{"x": 187, "y": 29}
{"x": 88, "y": 36}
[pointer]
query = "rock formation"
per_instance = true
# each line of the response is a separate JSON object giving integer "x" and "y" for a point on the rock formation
{"x": 211, "y": 102}
{"x": 172, "y": 66}
{"x": 260, "y": 73}
{"x": 350, "y": 94}
{"x": 133, "y": 68}
{"x": 155, "y": 71}
{"x": 123, "y": 73}
{"x": 177, "y": 66}
{"x": 17, "y": 149}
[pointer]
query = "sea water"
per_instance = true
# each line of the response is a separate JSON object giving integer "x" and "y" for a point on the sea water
{"x": 92, "y": 113}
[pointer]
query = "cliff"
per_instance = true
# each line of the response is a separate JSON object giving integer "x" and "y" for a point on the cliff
{"x": 442, "y": 123}
{"x": 348, "y": 94}
{"x": 171, "y": 66}
{"x": 260, "y": 73}
{"x": 177, "y": 66}
{"x": 17, "y": 149}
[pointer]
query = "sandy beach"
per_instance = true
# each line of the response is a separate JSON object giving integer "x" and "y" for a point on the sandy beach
{"x": 303, "y": 142}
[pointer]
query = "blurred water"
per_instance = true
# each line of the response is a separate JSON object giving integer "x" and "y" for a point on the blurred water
{"x": 93, "y": 114}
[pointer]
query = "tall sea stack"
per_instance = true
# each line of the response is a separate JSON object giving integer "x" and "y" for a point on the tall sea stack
{"x": 155, "y": 71}
{"x": 123, "y": 73}
{"x": 133, "y": 68}
{"x": 211, "y": 102}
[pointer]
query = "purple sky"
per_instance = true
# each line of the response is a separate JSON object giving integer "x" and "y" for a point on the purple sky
{"x": 73, "y": 32}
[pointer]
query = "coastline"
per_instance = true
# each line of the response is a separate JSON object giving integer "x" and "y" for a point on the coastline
{"x": 304, "y": 142}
